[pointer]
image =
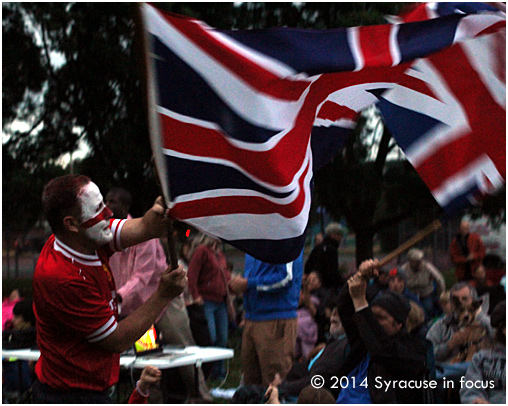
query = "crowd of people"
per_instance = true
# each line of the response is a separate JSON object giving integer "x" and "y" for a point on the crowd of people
{"x": 374, "y": 336}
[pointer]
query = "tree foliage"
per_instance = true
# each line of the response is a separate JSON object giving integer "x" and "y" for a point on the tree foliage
{"x": 94, "y": 94}
{"x": 371, "y": 191}
{"x": 72, "y": 72}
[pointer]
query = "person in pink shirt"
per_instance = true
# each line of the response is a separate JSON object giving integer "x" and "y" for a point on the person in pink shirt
{"x": 8, "y": 307}
{"x": 137, "y": 271}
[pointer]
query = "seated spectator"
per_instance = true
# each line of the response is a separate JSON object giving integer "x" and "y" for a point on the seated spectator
{"x": 307, "y": 328}
{"x": 149, "y": 376}
{"x": 397, "y": 283}
{"x": 312, "y": 396}
{"x": 424, "y": 280}
{"x": 415, "y": 318}
{"x": 327, "y": 362}
{"x": 7, "y": 306}
{"x": 445, "y": 306}
{"x": 316, "y": 289}
{"x": 18, "y": 375}
{"x": 381, "y": 348}
{"x": 450, "y": 339}
{"x": 418, "y": 329}
{"x": 494, "y": 292}
{"x": 309, "y": 395}
{"x": 445, "y": 303}
{"x": 488, "y": 367}
{"x": 446, "y": 334}
{"x": 324, "y": 361}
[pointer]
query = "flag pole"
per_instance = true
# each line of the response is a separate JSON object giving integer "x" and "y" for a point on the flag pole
{"x": 420, "y": 235}
{"x": 149, "y": 98}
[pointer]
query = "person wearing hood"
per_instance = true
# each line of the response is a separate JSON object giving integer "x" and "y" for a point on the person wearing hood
{"x": 382, "y": 352}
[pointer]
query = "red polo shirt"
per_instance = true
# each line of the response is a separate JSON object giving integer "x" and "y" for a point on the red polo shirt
{"x": 75, "y": 306}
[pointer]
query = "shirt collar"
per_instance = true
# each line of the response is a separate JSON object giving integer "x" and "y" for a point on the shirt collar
{"x": 75, "y": 256}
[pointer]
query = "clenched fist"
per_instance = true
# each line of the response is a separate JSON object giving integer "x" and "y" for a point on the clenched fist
{"x": 172, "y": 282}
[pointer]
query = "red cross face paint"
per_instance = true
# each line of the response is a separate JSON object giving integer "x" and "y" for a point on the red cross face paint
{"x": 104, "y": 215}
{"x": 95, "y": 215}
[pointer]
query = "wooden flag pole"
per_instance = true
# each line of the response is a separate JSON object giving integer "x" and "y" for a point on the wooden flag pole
{"x": 148, "y": 93}
{"x": 420, "y": 235}
{"x": 173, "y": 257}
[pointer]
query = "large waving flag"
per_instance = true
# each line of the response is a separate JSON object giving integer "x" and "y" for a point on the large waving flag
{"x": 430, "y": 10}
{"x": 240, "y": 119}
{"x": 454, "y": 132}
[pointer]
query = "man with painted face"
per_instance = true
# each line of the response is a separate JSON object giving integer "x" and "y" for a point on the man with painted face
{"x": 383, "y": 355}
{"x": 78, "y": 331}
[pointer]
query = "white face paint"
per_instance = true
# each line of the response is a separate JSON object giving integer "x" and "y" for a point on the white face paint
{"x": 92, "y": 205}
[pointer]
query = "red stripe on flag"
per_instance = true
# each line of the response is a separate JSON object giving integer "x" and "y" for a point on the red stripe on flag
{"x": 333, "y": 112}
{"x": 250, "y": 72}
{"x": 493, "y": 28}
{"x": 417, "y": 12}
{"x": 486, "y": 118}
{"x": 271, "y": 166}
{"x": 375, "y": 45}
{"x": 216, "y": 206}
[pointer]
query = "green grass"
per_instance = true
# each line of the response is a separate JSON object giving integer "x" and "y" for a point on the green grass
{"x": 234, "y": 367}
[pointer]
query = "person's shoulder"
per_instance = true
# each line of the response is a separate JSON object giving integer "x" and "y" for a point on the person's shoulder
{"x": 475, "y": 237}
{"x": 202, "y": 249}
{"x": 483, "y": 319}
{"x": 439, "y": 324}
{"x": 52, "y": 262}
{"x": 480, "y": 356}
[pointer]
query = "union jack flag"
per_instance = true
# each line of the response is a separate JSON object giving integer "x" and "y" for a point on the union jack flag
{"x": 427, "y": 11}
{"x": 452, "y": 125}
{"x": 240, "y": 119}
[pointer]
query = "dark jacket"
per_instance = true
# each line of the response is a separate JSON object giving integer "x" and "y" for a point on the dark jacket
{"x": 324, "y": 258}
{"x": 398, "y": 357}
{"x": 328, "y": 365}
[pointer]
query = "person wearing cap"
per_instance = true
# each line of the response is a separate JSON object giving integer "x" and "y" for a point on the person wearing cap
{"x": 424, "y": 280}
{"x": 397, "y": 283}
{"x": 488, "y": 367}
{"x": 324, "y": 258}
{"x": 381, "y": 348}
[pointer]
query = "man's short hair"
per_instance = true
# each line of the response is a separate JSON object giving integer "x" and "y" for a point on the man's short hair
{"x": 415, "y": 254}
{"x": 334, "y": 228}
{"x": 60, "y": 199}
{"x": 123, "y": 195}
{"x": 461, "y": 285}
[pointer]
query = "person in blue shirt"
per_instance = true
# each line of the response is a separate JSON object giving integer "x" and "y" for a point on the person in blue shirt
{"x": 271, "y": 294}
